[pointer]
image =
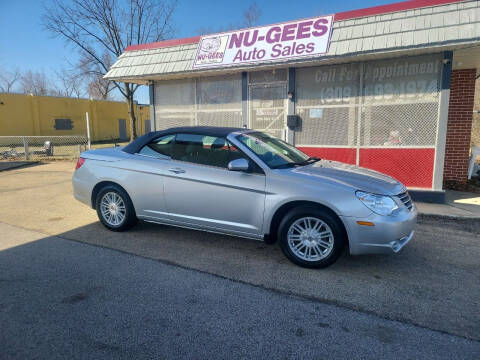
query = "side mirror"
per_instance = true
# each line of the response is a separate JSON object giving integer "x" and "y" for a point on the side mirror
{"x": 239, "y": 165}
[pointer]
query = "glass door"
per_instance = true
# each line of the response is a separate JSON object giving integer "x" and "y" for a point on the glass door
{"x": 267, "y": 107}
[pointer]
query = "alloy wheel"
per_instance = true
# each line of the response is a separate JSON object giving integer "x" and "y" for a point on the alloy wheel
{"x": 310, "y": 239}
{"x": 113, "y": 209}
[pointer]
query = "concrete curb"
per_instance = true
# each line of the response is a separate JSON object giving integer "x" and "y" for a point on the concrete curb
{"x": 5, "y": 166}
{"x": 448, "y": 217}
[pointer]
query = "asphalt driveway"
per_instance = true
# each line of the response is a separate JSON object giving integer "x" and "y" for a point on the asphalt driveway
{"x": 62, "y": 299}
{"x": 433, "y": 283}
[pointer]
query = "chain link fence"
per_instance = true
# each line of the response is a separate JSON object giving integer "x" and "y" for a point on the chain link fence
{"x": 42, "y": 147}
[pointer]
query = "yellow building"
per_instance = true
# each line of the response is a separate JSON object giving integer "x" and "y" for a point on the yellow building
{"x": 48, "y": 115}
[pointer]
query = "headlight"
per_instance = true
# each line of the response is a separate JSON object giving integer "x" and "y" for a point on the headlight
{"x": 379, "y": 204}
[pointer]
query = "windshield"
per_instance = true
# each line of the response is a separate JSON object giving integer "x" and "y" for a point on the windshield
{"x": 272, "y": 151}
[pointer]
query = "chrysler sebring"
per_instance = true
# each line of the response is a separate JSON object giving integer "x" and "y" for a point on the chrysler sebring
{"x": 247, "y": 183}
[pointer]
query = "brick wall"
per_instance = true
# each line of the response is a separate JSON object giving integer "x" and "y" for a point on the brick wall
{"x": 459, "y": 127}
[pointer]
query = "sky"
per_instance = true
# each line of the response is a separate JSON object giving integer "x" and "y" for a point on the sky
{"x": 25, "y": 45}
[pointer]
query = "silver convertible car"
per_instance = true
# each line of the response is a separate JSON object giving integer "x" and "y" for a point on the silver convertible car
{"x": 246, "y": 183}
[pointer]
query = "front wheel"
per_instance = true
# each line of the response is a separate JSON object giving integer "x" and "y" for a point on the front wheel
{"x": 311, "y": 237}
{"x": 115, "y": 209}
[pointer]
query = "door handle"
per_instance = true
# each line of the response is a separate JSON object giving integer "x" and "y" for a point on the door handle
{"x": 176, "y": 170}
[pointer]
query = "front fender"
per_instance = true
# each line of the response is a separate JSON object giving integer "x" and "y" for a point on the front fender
{"x": 342, "y": 201}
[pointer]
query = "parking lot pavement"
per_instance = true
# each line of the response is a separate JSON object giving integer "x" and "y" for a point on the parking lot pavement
{"x": 63, "y": 299}
{"x": 433, "y": 282}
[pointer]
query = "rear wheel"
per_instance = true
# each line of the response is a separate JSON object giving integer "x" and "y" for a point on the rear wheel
{"x": 311, "y": 237}
{"x": 115, "y": 209}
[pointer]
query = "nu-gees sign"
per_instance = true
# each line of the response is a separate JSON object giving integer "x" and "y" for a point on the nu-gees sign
{"x": 293, "y": 39}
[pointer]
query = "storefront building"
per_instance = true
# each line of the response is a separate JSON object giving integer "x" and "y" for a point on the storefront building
{"x": 388, "y": 88}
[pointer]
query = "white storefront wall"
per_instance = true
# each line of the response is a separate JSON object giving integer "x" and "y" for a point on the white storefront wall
{"x": 357, "y": 113}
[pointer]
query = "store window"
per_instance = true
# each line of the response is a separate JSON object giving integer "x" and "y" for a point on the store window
{"x": 397, "y": 104}
{"x": 327, "y": 102}
{"x": 400, "y": 101}
{"x": 210, "y": 101}
{"x": 219, "y": 101}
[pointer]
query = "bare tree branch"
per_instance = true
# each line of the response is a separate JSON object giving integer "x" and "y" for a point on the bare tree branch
{"x": 36, "y": 83}
{"x": 249, "y": 18}
{"x": 102, "y": 29}
{"x": 69, "y": 83}
{"x": 251, "y": 15}
{"x": 8, "y": 79}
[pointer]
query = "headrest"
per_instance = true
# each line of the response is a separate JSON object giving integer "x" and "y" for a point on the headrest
{"x": 219, "y": 143}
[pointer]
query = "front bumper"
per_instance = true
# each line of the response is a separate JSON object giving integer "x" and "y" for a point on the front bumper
{"x": 389, "y": 235}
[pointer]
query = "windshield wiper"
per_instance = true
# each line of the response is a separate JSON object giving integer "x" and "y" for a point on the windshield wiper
{"x": 284, "y": 166}
{"x": 310, "y": 160}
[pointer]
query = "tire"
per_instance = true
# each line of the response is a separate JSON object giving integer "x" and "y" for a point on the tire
{"x": 114, "y": 194}
{"x": 317, "y": 246}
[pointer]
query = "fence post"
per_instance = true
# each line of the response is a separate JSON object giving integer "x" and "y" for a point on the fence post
{"x": 25, "y": 146}
{"x": 88, "y": 129}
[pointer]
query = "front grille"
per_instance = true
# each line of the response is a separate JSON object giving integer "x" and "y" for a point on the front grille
{"x": 406, "y": 200}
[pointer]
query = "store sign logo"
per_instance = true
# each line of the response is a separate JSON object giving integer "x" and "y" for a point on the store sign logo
{"x": 295, "y": 39}
{"x": 212, "y": 50}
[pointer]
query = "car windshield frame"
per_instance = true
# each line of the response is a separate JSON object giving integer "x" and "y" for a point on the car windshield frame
{"x": 274, "y": 152}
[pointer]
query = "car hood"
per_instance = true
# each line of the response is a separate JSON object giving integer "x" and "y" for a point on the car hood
{"x": 352, "y": 176}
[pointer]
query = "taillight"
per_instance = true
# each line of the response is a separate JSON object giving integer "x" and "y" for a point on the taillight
{"x": 80, "y": 162}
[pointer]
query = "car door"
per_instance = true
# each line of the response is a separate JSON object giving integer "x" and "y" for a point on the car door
{"x": 148, "y": 167}
{"x": 201, "y": 191}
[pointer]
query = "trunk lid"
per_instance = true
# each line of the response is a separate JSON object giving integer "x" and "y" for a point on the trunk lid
{"x": 104, "y": 154}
